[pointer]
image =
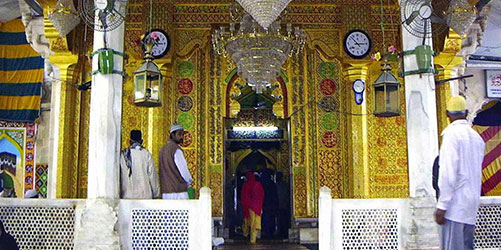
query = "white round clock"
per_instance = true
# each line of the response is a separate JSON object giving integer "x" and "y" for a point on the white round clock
{"x": 161, "y": 42}
{"x": 358, "y": 86}
{"x": 357, "y": 44}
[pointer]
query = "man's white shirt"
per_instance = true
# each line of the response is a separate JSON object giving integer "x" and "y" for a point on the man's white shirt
{"x": 460, "y": 172}
{"x": 182, "y": 166}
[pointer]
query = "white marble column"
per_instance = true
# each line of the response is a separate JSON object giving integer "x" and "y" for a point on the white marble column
{"x": 96, "y": 223}
{"x": 106, "y": 118}
{"x": 422, "y": 145}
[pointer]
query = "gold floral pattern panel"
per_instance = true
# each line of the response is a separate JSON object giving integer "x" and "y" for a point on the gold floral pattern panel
{"x": 388, "y": 171}
{"x": 329, "y": 134}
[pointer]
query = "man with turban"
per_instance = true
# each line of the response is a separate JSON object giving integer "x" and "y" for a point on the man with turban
{"x": 459, "y": 179}
{"x": 138, "y": 175}
{"x": 252, "y": 206}
{"x": 175, "y": 178}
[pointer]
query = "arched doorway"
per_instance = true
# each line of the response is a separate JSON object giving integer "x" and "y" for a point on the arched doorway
{"x": 256, "y": 140}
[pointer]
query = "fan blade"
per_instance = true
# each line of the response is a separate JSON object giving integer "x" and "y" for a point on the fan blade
{"x": 411, "y": 18}
{"x": 436, "y": 19}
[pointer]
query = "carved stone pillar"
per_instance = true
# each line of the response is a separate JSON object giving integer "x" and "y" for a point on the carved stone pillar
{"x": 422, "y": 144}
{"x": 95, "y": 224}
{"x": 357, "y": 131}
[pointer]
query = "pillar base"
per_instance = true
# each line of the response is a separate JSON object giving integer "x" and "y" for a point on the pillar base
{"x": 421, "y": 231}
{"x": 96, "y": 226}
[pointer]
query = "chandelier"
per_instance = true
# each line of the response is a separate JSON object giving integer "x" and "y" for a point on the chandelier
{"x": 460, "y": 16}
{"x": 259, "y": 53}
{"x": 265, "y": 12}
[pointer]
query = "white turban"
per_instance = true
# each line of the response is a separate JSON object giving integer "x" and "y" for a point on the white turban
{"x": 176, "y": 127}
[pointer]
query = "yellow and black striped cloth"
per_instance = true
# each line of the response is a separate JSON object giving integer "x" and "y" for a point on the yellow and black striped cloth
{"x": 21, "y": 75}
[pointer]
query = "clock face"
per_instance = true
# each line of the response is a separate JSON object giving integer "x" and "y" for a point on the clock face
{"x": 357, "y": 44}
{"x": 358, "y": 86}
{"x": 161, "y": 42}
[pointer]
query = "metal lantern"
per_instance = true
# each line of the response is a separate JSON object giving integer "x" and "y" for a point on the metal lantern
{"x": 386, "y": 89}
{"x": 147, "y": 82}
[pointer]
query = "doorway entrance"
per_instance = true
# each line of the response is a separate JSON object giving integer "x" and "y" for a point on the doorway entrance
{"x": 263, "y": 159}
{"x": 265, "y": 152}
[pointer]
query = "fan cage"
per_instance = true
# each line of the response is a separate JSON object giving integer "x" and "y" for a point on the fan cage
{"x": 111, "y": 17}
{"x": 417, "y": 26}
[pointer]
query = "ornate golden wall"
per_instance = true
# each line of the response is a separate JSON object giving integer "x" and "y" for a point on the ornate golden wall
{"x": 355, "y": 155}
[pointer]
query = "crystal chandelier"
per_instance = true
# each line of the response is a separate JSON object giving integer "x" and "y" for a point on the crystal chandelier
{"x": 460, "y": 16}
{"x": 258, "y": 53}
{"x": 265, "y": 12}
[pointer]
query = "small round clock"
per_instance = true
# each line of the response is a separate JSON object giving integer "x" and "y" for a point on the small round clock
{"x": 359, "y": 88}
{"x": 161, "y": 42}
{"x": 357, "y": 44}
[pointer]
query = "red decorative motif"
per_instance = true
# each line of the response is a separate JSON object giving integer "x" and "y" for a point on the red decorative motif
{"x": 185, "y": 86}
{"x": 329, "y": 139}
{"x": 328, "y": 87}
{"x": 188, "y": 139}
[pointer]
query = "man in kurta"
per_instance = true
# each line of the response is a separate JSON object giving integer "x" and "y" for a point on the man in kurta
{"x": 459, "y": 179}
{"x": 252, "y": 205}
{"x": 138, "y": 175}
{"x": 175, "y": 178}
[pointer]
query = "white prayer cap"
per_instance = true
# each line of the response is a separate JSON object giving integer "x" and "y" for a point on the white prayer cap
{"x": 176, "y": 127}
{"x": 31, "y": 194}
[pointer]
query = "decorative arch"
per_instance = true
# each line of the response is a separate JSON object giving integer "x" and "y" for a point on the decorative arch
{"x": 18, "y": 147}
{"x": 19, "y": 179}
{"x": 247, "y": 152}
{"x": 232, "y": 77}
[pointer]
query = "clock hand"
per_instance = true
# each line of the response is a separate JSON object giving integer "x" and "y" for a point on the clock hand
{"x": 355, "y": 41}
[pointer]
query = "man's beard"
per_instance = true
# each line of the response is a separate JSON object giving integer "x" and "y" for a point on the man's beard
{"x": 179, "y": 141}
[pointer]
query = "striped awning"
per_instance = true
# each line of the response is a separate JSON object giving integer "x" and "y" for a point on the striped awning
{"x": 21, "y": 75}
{"x": 488, "y": 125}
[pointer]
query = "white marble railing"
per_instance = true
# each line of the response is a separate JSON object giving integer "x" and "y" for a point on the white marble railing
{"x": 488, "y": 228}
{"x": 393, "y": 223}
{"x": 40, "y": 224}
{"x": 360, "y": 223}
{"x": 166, "y": 224}
{"x": 142, "y": 224}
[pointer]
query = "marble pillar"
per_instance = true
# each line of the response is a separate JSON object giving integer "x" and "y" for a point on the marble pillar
{"x": 422, "y": 144}
{"x": 96, "y": 223}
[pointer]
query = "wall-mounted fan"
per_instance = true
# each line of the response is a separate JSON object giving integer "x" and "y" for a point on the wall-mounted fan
{"x": 418, "y": 17}
{"x": 108, "y": 15}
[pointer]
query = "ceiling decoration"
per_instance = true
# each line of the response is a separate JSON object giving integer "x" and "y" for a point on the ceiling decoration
{"x": 258, "y": 53}
{"x": 265, "y": 12}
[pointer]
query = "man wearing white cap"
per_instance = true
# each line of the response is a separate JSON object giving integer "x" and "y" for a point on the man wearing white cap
{"x": 174, "y": 174}
{"x": 459, "y": 179}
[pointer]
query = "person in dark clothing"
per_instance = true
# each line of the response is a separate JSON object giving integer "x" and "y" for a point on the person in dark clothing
{"x": 435, "y": 177}
{"x": 270, "y": 204}
{"x": 7, "y": 242}
{"x": 283, "y": 190}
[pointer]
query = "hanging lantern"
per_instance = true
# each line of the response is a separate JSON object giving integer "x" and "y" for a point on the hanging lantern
{"x": 147, "y": 81}
{"x": 386, "y": 89}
